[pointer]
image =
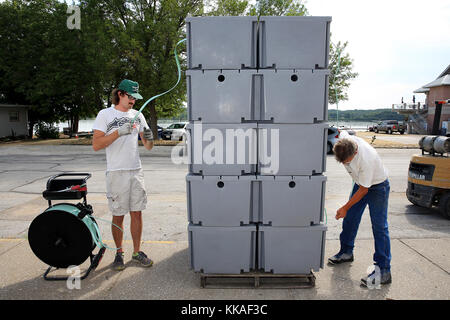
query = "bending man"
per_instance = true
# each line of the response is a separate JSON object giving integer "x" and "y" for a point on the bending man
{"x": 371, "y": 188}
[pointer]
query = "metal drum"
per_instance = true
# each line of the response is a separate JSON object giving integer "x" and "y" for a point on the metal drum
{"x": 421, "y": 142}
{"x": 427, "y": 143}
{"x": 441, "y": 144}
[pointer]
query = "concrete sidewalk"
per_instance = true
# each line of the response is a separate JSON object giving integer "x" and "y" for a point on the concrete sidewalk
{"x": 418, "y": 273}
{"x": 420, "y": 237}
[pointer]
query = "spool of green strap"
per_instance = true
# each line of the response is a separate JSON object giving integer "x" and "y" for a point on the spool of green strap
{"x": 60, "y": 238}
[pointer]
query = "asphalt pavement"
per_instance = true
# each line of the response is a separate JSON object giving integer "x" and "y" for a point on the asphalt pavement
{"x": 420, "y": 237}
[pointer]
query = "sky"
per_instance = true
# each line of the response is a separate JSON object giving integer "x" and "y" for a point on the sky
{"x": 397, "y": 46}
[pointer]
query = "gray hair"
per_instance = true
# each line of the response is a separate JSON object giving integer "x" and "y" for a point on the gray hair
{"x": 344, "y": 149}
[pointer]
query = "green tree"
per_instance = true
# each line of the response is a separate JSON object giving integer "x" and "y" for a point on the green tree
{"x": 278, "y": 8}
{"x": 69, "y": 74}
{"x": 227, "y": 7}
{"x": 146, "y": 34}
{"x": 62, "y": 73}
{"x": 366, "y": 115}
{"x": 341, "y": 66}
{"x": 23, "y": 35}
{"x": 77, "y": 67}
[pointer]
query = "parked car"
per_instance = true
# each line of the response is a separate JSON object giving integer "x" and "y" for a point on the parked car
{"x": 160, "y": 130}
{"x": 390, "y": 126}
{"x": 349, "y": 131}
{"x": 176, "y": 131}
{"x": 166, "y": 134}
{"x": 372, "y": 127}
{"x": 333, "y": 136}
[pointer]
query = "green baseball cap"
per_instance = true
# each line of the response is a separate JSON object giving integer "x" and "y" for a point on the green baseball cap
{"x": 131, "y": 87}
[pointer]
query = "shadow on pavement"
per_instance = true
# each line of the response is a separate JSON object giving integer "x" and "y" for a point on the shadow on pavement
{"x": 427, "y": 218}
{"x": 169, "y": 278}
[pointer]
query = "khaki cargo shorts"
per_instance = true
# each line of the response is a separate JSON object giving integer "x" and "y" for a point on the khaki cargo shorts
{"x": 125, "y": 190}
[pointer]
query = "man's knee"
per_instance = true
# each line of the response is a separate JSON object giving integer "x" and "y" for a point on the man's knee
{"x": 136, "y": 214}
{"x": 117, "y": 219}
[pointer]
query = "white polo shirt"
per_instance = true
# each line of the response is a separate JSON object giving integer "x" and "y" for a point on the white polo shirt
{"x": 366, "y": 167}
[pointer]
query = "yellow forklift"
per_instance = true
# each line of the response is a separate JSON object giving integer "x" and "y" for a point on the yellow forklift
{"x": 429, "y": 174}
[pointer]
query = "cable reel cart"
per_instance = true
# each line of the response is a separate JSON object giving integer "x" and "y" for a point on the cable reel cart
{"x": 66, "y": 234}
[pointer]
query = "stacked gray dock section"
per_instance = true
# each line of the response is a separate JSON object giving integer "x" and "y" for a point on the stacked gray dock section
{"x": 280, "y": 96}
{"x": 257, "y": 105}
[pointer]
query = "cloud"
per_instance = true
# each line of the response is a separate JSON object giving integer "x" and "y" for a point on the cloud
{"x": 397, "y": 46}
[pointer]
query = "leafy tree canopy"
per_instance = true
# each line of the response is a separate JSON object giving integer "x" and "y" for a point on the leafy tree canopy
{"x": 69, "y": 73}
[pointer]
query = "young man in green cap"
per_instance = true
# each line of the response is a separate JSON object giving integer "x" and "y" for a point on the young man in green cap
{"x": 126, "y": 193}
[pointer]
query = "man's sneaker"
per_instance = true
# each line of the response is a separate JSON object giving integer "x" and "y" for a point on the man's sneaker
{"x": 118, "y": 264}
{"x": 340, "y": 258}
{"x": 142, "y": 258}
{"x": 371, "y": 280}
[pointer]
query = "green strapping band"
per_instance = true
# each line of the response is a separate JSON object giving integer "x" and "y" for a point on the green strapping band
{"x": 99, "y": 241}
{"x": 88, "y": 221}
{"x": 159, "y": 95}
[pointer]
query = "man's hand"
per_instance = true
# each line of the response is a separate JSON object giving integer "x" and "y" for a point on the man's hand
{"x": 148, "y": 134}
{"x": 341, "y": 213}
{"x": 357, "y": 196}
{"x": 124, "y": 129}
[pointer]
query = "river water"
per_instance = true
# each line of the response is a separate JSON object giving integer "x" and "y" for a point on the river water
{"x": 87, "y": 124}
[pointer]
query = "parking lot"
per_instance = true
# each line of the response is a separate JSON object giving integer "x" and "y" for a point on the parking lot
{"x": 420, "y": 237}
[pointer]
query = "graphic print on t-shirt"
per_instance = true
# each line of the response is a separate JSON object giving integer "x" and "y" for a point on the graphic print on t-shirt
{"x": 117, "y": 122}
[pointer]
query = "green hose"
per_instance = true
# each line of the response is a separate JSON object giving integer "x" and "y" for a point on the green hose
{"x": 335, "y": 89}
{"x": 98, "y": 241}
{"x": 158, "y": 95}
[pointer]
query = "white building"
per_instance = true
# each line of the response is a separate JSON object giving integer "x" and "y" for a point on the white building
{"x": 13, "y": 120}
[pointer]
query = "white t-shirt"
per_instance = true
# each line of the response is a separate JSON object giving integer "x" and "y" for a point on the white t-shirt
{"x": 123, "y": 153}
{"x": 366, "y": 167}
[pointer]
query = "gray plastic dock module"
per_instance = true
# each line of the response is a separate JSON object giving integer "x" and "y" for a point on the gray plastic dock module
{"x": 222, "y": 149}
{"x": 294, "y": 42}
{"x": 219, "y": 96}
{"x": 279, "y": 96}
{"x": 295, "y": 96}
{"x": 296, "y": 201}
{"x": 227, "y": 250}
{"x": 284, "y": 250}
{"x": 217, "y": 201}
{"x": 221, "y": 42}
{"x": 292, "y": 149}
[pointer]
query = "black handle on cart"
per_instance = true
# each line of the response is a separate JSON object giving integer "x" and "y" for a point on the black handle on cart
{"x": 88, "y": 175}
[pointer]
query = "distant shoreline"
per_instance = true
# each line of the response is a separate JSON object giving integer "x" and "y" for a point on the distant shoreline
{"x": 384, "y": 141}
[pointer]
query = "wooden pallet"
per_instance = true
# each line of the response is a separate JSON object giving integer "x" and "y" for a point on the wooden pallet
{"x": 263, "y": 280}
